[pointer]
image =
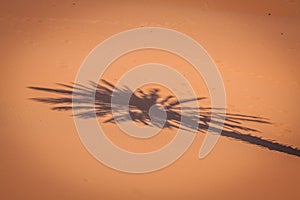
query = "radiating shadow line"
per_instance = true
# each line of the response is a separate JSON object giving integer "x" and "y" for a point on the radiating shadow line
{"x": 140, "y": 103}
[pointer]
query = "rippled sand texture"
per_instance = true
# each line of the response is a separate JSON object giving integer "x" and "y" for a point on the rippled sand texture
{"x": 256, "y": 46}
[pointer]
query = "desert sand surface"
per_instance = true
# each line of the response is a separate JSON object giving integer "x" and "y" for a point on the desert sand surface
{"x": 256, "y": 47}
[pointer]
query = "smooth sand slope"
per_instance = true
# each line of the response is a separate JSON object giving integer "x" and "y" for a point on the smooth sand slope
{"x": 256, "y": 46}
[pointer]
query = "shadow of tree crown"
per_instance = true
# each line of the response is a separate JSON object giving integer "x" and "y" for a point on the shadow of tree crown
{"x": 140, "y": 103}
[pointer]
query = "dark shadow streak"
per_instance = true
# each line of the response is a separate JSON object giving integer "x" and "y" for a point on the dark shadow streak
{"x": 140, "y": 103}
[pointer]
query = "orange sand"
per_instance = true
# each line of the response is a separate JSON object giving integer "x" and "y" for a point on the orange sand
{"x": 255, "y": 44}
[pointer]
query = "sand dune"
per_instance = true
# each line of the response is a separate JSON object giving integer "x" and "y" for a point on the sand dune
{"x": 255, "y": 45}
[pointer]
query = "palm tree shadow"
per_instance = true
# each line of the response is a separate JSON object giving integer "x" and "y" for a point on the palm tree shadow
{"x": 140, "y": 103}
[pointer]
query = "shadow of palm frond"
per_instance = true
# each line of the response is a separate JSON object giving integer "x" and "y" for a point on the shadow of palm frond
{"x": 140, "y": 103}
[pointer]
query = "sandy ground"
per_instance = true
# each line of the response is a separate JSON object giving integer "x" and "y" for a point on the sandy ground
{"x": 256, "y": 46}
